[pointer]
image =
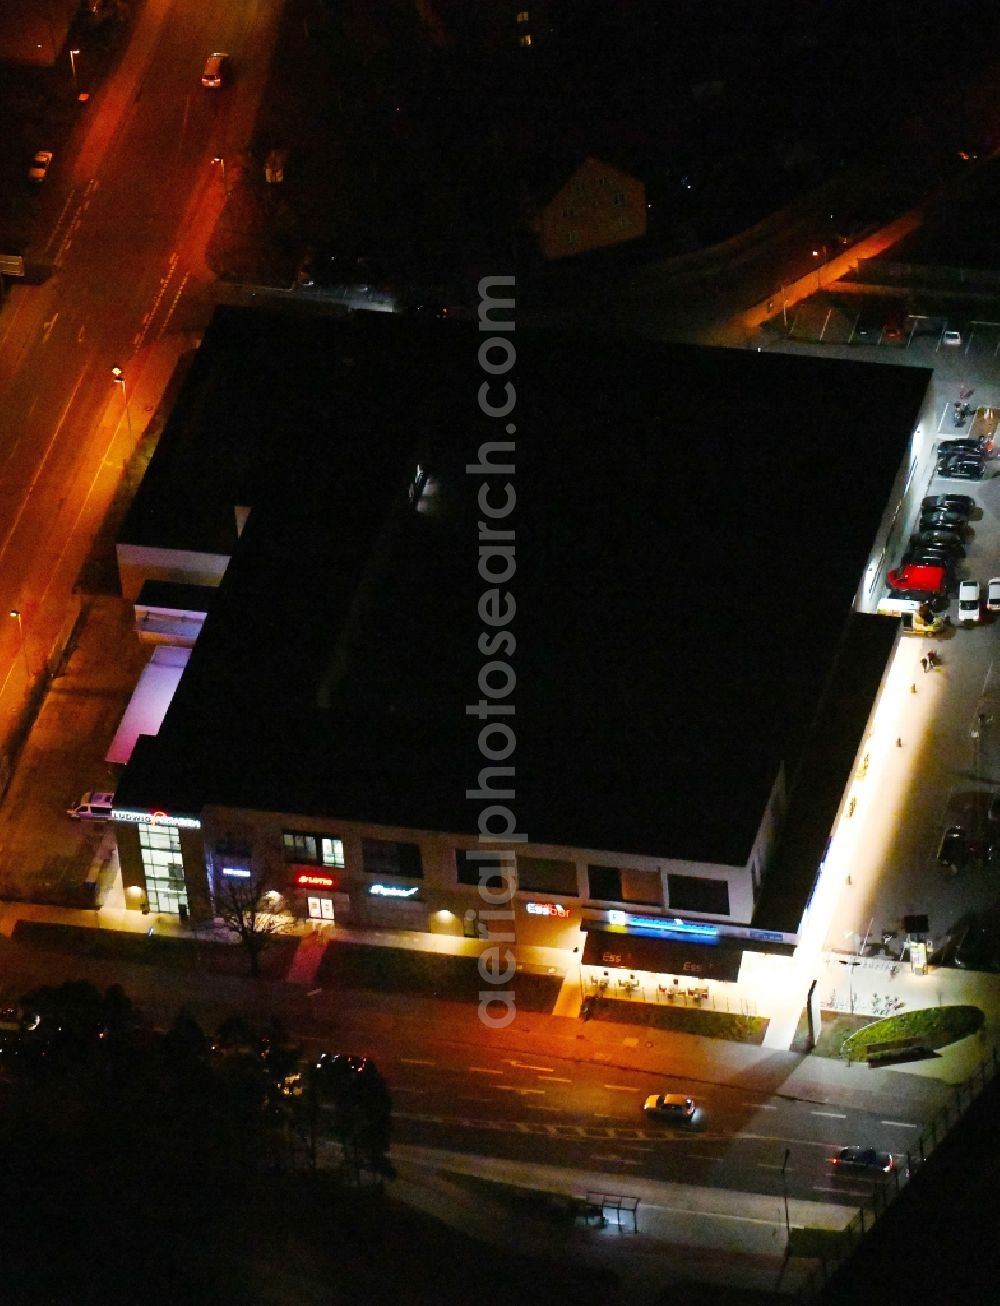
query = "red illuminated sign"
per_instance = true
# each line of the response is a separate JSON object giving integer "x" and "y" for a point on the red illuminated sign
{"x": 547, "y": 909}
{"x": 312, "y": 880}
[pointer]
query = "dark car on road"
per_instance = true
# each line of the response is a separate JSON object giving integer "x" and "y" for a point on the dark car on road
{"x": 954, "y": 848}
{"x": 963, "y": 503}
{"x": 862, "y": 1160}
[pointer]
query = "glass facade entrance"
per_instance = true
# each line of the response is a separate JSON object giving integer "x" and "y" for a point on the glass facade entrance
{"x": 163, "y": 868}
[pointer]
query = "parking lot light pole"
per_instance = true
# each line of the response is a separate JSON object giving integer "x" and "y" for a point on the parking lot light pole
{"x": 72, "y": 64}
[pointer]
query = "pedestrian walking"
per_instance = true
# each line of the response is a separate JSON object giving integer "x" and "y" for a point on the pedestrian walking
{"x": 924, "y": 662}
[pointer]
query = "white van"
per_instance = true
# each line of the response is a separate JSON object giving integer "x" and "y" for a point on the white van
{"x": 93, "y": 806}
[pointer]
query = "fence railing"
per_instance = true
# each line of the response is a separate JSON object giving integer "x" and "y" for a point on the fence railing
{"x": 884, "y": 1194}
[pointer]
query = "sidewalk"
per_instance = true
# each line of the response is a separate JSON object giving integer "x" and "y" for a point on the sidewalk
{"x": 684, "y": 1232}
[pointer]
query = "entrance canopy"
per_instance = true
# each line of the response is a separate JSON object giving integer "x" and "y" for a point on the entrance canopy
{"x": 719, "y": 961}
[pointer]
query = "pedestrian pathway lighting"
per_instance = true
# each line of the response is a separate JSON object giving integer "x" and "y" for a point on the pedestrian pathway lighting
{"x": 118, "y": 376}
{"x": 15, "y": 613}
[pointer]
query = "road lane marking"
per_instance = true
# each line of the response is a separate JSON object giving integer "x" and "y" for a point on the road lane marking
{"x": 705, "y": 1156}
{"x": 513, "y": 1088}
{"x": 622, "y": 1088}
{"x": 465, "y": 1098}
{"x": 845, "y": 1192}
{"x": 540, "y": 1106}
{"x": 485, "y": 1070}
{"x": 524, "y": 1065}
{"x": 899, "y": 1124}
{"x": 834, "y": 1115}
{"x": 775, "y": 1138}
{"x": 44, "y": 460}
{"x": 557, "y": 1079}
{"x": 416, "y": 1061}
{"x": 761, "y": 1106}
{"x": 405, "y": 1088}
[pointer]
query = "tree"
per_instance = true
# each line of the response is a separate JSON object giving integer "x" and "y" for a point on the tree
{"x": 257, "y": 915}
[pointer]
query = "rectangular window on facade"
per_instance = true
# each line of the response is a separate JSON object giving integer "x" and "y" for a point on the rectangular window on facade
{"x": 163, "y": 868}
{"x": 692, "y": 893}
{"x": 332, "y": 851}
{"x": 618, "y": 199}
{"x": 299, "y": 847}
{"x": 605, "y": 883}
{"x": 386, "y": 858}
{"x": 645, "y": 887}
{"x": 475, "y": 870}
{"x": 546, "y": 875}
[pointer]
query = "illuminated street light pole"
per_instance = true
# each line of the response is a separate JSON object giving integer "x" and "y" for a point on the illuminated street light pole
{"x": 119, "y": 379}
{"x": 72, "y": 64}
{"x": 218, "y": 158}
{"x": 15, "y": 613}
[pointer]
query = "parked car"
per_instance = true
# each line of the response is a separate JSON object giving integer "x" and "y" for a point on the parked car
{"x": 940, "y": 539}
{"x": 960, "y": 444}
{"x": 941, "y": 517}
{"x": 928, "y": 555}
{"x": 977, "y": 948}
{"x": 672, "y": 1107}
{"x": 863, "y": 1160}
{"x": 94, "y": 805}
{"x": 40, "y": 166}
{"x": 951, "y": 337}
{"x": 954, "y": 848}
{"x": 993, "y": 594}
{"x": 969, "y": 601}
{"x": 963, "y": 503}
{"x": 960, "y": 467}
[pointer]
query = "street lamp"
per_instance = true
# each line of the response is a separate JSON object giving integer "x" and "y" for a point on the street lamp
{"x": 217, "y": 158}
{"x": 72, "y": 64}
{"x": 118, "y": 377}
{"x": 15, "y": 614}
{"x": 784, "y": 1193}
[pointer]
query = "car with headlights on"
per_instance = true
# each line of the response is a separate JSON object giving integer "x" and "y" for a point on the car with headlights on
{"x": 862, "y": 1160}
{"x": 672, "y": 1108}
{"x": 40, "y": 165}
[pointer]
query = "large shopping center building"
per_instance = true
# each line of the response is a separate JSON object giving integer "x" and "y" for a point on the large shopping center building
{"x": 621, "y": 623}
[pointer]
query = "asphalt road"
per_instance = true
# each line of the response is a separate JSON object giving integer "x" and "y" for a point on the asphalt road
{"x": 122, "y": 225}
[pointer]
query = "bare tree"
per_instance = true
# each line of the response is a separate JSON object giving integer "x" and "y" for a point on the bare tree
{"x": 256, "y": 914}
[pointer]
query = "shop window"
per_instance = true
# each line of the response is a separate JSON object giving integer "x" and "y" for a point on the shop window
{"x": 299, "y": 847}
{"x": 386, "y": 858}
{"x": 605, "y": 883}
{"x": 692, "y": 893}
{"x": 478, "y": 870}
{"x": 546, "y": 875}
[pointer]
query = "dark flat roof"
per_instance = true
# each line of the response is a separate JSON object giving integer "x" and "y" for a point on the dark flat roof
{"x": 691, "y": 525}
